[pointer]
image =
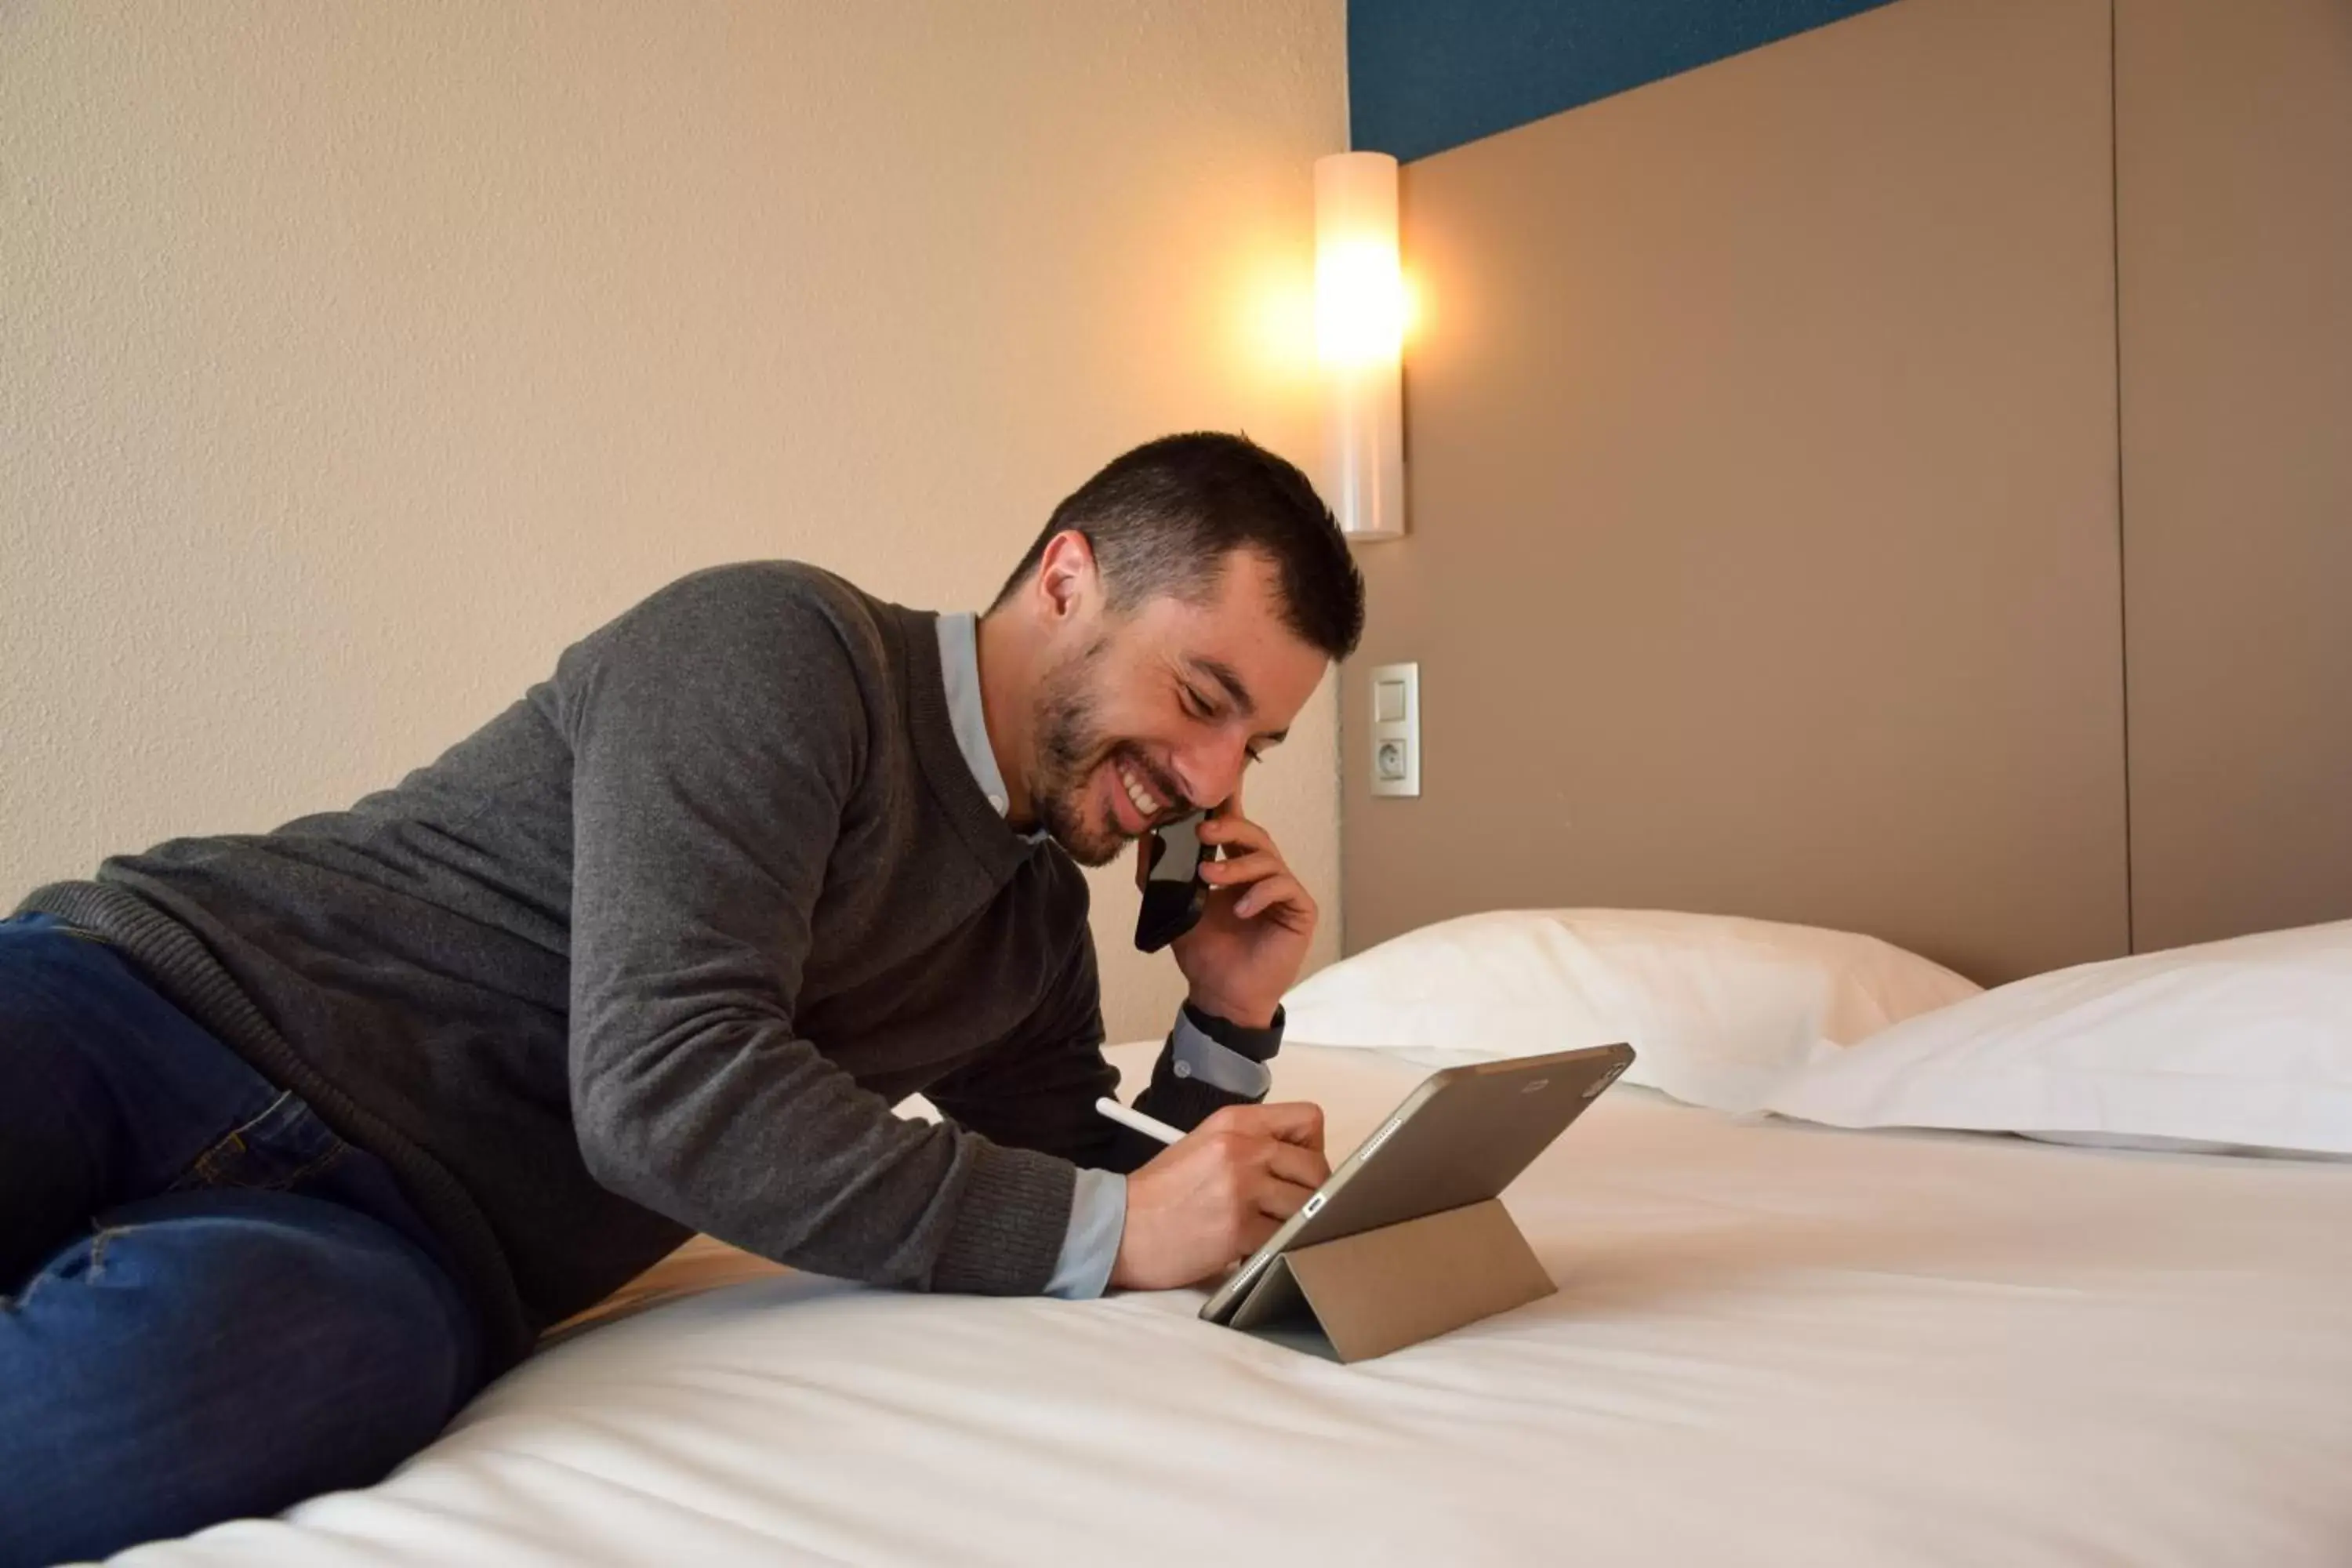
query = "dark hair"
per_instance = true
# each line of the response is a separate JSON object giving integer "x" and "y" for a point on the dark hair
{"x": 1162, "y": 519}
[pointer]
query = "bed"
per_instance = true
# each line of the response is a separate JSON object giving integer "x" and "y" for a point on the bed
{"x": 1772, "y": 1343}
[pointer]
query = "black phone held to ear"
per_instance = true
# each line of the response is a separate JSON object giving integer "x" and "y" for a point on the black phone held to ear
{"x": 1174, "y": 893}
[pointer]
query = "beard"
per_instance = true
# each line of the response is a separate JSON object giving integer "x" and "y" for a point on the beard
{"x": 1071, "y": 749}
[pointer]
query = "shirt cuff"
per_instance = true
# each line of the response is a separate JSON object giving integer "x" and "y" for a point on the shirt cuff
{"x": 1237, "y": 1066}
{"x": 1097, "y": 1220}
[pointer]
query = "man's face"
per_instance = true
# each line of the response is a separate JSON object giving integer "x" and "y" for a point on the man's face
{"x": 1154, "y": 713}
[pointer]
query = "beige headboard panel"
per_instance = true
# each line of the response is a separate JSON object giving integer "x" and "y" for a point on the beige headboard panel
{"x": 1762, "y": 480}
{"x": 2235, "y": 204}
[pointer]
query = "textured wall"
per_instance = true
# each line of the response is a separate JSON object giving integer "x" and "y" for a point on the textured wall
{"x": 356, "y": 358}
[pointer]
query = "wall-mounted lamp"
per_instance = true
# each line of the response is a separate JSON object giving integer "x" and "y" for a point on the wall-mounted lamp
{"x": 1360, "y": 319}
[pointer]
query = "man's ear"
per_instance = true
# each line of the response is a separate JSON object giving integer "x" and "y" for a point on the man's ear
{"x": 1068, "y": 578}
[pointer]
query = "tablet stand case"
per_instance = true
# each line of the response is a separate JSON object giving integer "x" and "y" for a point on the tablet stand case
{"x": 1378, "y": 1290}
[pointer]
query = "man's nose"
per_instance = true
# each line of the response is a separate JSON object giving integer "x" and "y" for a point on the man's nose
{"x": 1210, "y": 775}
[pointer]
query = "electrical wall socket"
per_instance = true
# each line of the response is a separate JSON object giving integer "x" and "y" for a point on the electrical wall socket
{"x": 1395, "y": 711}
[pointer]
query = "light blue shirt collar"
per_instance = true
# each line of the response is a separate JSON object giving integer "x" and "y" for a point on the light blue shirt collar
{"x": 959, "y": 667}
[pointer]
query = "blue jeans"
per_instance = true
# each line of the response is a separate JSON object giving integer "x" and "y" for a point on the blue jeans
{"x": 211, "y": 1307}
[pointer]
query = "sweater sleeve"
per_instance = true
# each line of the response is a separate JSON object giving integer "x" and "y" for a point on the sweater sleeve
{"x": 718, "y": 731}
{"x": 1038, "y": 1090}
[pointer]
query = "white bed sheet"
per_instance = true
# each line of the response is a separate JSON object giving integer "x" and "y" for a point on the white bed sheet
{"x": 1772, "y": 1344}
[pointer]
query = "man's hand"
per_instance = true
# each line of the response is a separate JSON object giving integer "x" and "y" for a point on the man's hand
{"x": 1212, "y": 1199}
{"x": 1253, "y": 936}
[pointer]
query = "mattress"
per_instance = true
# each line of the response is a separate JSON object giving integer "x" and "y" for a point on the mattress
{"x": 1772, "y": 1343}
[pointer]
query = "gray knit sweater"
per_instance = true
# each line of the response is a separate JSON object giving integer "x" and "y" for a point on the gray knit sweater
{"x": 657, "y": 948}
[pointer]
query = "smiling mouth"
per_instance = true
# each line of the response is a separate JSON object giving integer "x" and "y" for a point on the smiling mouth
{"x": 1146, "y": 804}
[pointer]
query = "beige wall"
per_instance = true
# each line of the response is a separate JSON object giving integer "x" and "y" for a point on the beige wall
{"x": 357, "y": 357}
{"x": 1762, "y": 498}
{"x": 2234, "y": 202}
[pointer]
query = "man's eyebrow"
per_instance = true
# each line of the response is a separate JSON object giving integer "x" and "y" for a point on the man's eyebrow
{"x": 1222, "y": 674}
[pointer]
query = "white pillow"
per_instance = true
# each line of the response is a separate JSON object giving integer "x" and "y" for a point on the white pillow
{"x": 1717, "y": 1008}
{"x": 2236, "y": 1046}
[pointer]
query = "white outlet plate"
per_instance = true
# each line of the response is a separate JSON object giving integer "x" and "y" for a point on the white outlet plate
{"x": 1393, "y": 713}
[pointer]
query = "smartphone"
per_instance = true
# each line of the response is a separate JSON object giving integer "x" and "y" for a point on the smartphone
{"x": 1174, "y": 892}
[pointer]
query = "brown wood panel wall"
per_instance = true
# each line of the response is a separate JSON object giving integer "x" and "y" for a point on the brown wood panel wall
{"x": 2234, "y": 211}
{"x": 1762, "y": 478}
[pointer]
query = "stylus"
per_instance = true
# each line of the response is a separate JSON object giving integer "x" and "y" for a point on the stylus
{"x": 1150, "y": 1126}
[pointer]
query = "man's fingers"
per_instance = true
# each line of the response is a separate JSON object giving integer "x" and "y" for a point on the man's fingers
{"x": 1235, "y": 833}
{"x": 1298, "y": 1168}
{"x": 1266, "y": 880}
{"x": 1295, "y": 1121}
{"x": 1279, "y": 1200}
{"x": 1283, "y": 891}
{"x": 1249, "y": 868}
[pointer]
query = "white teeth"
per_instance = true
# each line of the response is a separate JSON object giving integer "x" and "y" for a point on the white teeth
{"x": 1145, "y": 801}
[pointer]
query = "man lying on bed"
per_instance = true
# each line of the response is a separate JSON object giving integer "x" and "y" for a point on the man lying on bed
{"x": 304, "y": 1135}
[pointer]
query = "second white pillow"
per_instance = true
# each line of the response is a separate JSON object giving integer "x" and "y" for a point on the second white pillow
{"x": 2226, "y": 1047}
{"x": 1718, "y": 1008}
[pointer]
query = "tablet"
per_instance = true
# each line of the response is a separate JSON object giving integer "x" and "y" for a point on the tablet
{"x": 1461, "y": 1137}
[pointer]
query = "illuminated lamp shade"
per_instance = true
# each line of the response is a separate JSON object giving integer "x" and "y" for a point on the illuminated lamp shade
{"x": 1360, "y": 319}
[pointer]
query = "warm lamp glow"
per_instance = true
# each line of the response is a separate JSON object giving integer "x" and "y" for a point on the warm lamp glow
{"x": 1358, "y": 301}
{"x": 1360, "y": 309}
